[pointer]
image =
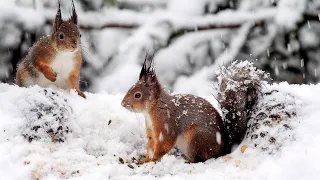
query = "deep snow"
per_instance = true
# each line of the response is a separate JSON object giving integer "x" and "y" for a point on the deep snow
{"x": 101, "y": 132}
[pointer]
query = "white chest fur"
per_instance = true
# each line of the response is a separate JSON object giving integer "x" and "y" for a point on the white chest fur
{"x": 148, "y": 121}
{"x": 63, "y": 64}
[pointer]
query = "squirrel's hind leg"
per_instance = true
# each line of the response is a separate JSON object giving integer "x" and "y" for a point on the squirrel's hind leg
{"x": 202, "y": 144}
{"x": 21, "y": 76}
{"x": 73, "y": 82}
{"x": 25, "y": 77}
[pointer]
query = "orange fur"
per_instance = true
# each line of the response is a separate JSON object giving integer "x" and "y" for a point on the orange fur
{"x": 159, "y": 146}
{"x": 74, "y": 76}
{"x": 45, "y": 69}
{"x": 189, "y": 134}
{"x": 22, "y": 74}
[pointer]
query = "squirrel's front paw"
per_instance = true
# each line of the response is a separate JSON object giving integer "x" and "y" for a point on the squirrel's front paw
{"x": 52, "y": 76}
{"x": 80, "y": 93}
{"x": 146, "y": 160}
{"x": 142, "y": 161}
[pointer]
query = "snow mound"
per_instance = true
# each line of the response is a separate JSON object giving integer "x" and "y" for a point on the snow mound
{"x": 104, "y": 138}
{"x": 47, "y": 115}
{"x": 272, "y": 123}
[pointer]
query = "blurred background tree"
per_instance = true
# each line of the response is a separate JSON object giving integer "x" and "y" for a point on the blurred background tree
{"x": 191, "y": 39}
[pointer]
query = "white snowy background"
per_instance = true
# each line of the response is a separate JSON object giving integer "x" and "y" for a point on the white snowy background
{"x": 193, "y": 38}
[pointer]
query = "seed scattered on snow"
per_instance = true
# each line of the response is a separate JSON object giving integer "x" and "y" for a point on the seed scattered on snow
{"x": 121, "y": 160}
{"x": 75, "y": 172}
{"x": 237, "y": 162}
{"x": 243, "y": 148}
{"x": 36, "y": 174}
{"x": 227, "y": 157}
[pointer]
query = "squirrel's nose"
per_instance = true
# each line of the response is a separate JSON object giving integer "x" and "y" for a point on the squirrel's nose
{"x": 123, "y": 103}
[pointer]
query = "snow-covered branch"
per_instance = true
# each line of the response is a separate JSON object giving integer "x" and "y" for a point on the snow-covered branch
{"x": 168, "y": 26}
{"x": 107, "y": 18}
{"x": 159, "y": 32}
{"x": 139, "y": 5}
{"x": 207, "y": 73}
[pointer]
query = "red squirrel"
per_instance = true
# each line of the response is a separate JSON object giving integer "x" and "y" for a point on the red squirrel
{"x": 55, "y": 59}
{"x": 191, "y": 122}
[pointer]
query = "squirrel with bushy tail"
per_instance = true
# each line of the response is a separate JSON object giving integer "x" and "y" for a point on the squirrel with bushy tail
{"x": 197, "y": 128}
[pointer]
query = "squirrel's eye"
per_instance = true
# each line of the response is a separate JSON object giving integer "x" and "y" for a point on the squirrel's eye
{"x": 137, "y": 95}
{"x": 80, "y": 35}
{"x": 61, "y": 36}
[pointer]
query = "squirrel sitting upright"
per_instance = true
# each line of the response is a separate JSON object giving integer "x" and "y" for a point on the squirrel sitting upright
{"x": 190, "y": 122}
{"x": 55, "y": 59}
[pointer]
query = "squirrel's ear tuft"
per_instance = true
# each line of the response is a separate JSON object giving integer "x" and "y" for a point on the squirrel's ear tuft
{"x": 58, "y": 20}
{"x": 74, "y": 16}
{"x": 151, "y": 79}
{"x": 144, "y": 67}
{"x": 148, "y": 66}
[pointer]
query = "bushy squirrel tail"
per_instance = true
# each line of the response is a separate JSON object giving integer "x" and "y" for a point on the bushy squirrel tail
{"x": 239, "y": 90}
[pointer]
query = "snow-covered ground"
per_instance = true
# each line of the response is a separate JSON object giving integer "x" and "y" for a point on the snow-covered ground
{"x": 101, "y": 133}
